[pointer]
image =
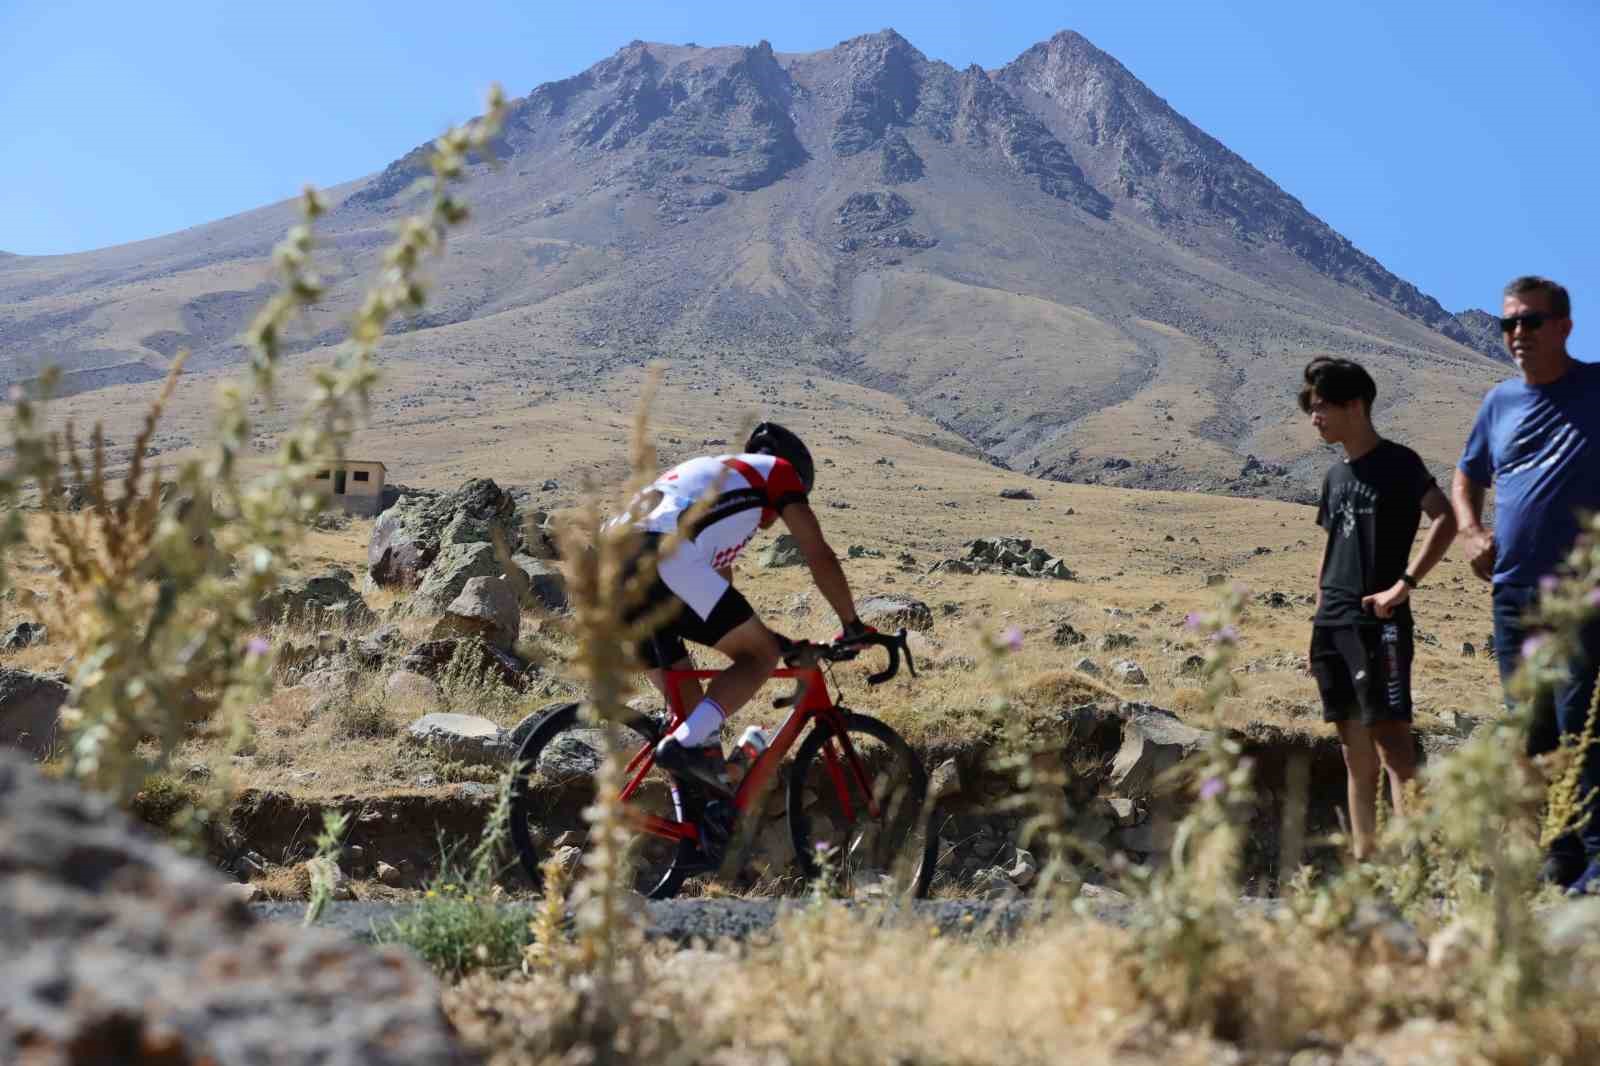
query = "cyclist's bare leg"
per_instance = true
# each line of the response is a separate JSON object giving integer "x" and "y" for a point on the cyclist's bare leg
{"x": 754, "y": 651}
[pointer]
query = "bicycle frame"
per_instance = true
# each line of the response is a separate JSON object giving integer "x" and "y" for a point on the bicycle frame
{"x": 812, "y": 702}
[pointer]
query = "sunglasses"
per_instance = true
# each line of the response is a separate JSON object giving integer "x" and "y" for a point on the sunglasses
{"x": 1530, "y": 321}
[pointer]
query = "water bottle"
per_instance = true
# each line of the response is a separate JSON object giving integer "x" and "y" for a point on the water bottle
{"x": 752, "y": 742}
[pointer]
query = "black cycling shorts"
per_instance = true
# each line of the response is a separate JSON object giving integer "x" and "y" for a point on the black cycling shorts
{"x": 665, "y": 646}
{"x": 1363, "y": 671}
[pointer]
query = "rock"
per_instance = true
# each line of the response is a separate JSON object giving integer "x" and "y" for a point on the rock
{"x": 455, "y": 565}
{"x": 1066, "y": 635}
{"x": 120, "y": 950}
{"x": 1129, "y": 672}
{"x": 464, "y": 738}
{"x": 331, "y": 874}
{"x": 470, "y": 655}
{"x": 859, "y": 551}
{"x": 30, "y": 711}
{"x": 569, "y": 857}
{"x": 1117, "y": 641}
{"x": 316, "y": 601}
{"x": 486, "y": 608}
{"x": 785, "y": 551}
{"x": 1192, "y": 666}
{"x": 945, "y": 781}
{"x": 1153, "y": 741}
{"x": 888, "y": 613}
{"x": 547, "y": 586}
{"x": 1126, "y": 813}
{"x": 388, "y": 875}
{"x": 1088, "y": 666}
{"x": 1468, "y": 651}
{"x": 407, "y": 538}
{"x": 25, "y": 634}
{"x": 1023, "y": 870}
{"x": 774, "y": 847}
{"x": 992, "y": 884}
{"x": 1017, "y": 494}
{"x": 923, "y": 648}
{"x": 332, "y": 680}
{"x": 1150, "y": 838}
{"x": 244, "y": 892}
{"x": 372, "y": 650}
{"x": 413, "y": 692}
{"x": 1216, "y": 580}
{"x": 574, "y": 754}
{"x": 1057, "y": 569}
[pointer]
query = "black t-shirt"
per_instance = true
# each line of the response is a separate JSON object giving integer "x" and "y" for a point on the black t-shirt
{"x": 1371, "y": 509}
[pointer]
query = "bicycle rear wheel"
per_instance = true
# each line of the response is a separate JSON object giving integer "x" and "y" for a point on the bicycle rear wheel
{"x": 858, "y": 810}
{"x": 554, "y": 783}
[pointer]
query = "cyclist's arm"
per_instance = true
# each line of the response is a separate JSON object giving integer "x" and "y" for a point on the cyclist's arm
{"x": 819, "y": 557}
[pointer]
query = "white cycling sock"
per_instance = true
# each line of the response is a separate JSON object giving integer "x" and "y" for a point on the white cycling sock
{"x": 702, "y": 725}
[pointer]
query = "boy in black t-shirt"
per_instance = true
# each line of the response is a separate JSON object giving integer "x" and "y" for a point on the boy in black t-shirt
{"x": 1361, "y": 641}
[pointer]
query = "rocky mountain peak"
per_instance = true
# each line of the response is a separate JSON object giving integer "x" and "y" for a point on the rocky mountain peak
{"x": 1152, "y": 162}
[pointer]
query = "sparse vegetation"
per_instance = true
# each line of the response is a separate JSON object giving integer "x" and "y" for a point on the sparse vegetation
{"x": 1444, "y": 944}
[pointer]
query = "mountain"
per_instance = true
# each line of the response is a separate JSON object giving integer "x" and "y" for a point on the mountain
{"x": 1046, "y": 259}
{"x": 1484, "y": 330}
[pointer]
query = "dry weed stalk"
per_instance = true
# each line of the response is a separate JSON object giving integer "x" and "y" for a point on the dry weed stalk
{"x": 159, "y": 596}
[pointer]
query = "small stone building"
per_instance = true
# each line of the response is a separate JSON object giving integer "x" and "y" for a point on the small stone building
{"x": 356, "y": 485}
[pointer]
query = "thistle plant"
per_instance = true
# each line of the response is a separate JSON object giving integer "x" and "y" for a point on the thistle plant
{"x": 158, "y": 598}
{"x": 323, "y": 864}
{"x": 1189, "y": 914}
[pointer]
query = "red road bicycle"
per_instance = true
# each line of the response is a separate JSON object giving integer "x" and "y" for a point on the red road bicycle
{"x": 855, "y": 796}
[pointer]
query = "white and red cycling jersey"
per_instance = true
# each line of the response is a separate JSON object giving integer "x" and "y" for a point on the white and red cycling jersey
{"x": 745, "y": 494}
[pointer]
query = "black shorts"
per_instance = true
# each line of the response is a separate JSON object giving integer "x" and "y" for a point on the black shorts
{"x": 665, "y": 646}
{"x": 1363, "y": 671}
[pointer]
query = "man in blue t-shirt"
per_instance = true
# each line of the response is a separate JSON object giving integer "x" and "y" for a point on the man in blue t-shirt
{"x": 1537, "y": 440}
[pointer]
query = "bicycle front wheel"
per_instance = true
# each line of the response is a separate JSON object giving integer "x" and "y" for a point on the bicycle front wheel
{"x": 554, "y": 784}
{"x": 858, "y": 810}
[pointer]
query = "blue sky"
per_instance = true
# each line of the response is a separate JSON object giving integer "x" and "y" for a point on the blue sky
{"x": 1454, "y": 141}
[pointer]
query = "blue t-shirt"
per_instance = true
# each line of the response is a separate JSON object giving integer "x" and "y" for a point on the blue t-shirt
{"x": 1539, "y": 445}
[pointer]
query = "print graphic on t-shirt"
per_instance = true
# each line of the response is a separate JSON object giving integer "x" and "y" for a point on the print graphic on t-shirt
{"x": 1349, "y": 500}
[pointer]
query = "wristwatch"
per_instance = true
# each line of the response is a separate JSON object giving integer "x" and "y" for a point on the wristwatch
{"x": 1410, "y": 581}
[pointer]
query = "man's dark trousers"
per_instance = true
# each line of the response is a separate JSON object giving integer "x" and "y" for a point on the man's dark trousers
{"x": 1563, "y": 713}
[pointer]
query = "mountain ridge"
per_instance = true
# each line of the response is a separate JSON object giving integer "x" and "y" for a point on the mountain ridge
{"x": 1045, "y": 258}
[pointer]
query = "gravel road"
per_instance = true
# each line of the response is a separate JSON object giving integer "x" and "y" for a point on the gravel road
{"x": 685, "y": 920}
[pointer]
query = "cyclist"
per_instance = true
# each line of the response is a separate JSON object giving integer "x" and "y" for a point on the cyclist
{"x": 693, "y": 588}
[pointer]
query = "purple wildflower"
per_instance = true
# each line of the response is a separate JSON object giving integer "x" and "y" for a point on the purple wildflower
{"x": 1212, "y": 787}
{"x": 1226, "y": 635}
{"x": 1193, "y": 621}
{"x": 1013, "y": 638}
{"x": 1548, "y": 584}
{"x": 258, "y": 646}
{"x": 1593, "y": 599}
{"x": 1531, "y": 646}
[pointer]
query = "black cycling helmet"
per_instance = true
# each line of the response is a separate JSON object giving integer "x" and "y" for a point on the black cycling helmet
{"x": 769, "y": 438}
